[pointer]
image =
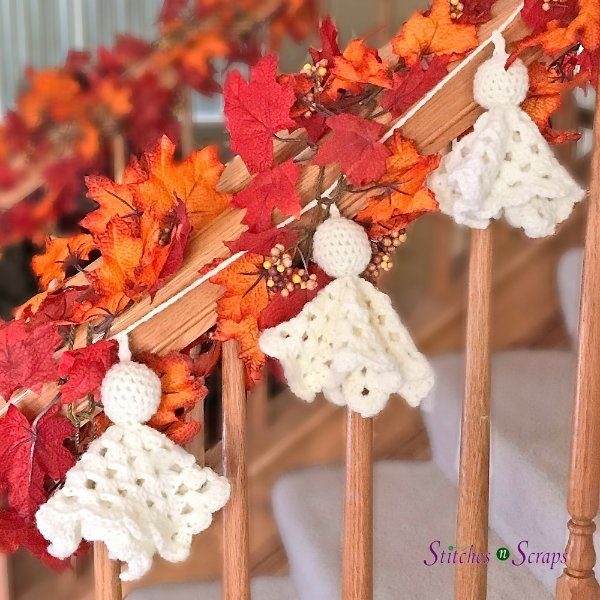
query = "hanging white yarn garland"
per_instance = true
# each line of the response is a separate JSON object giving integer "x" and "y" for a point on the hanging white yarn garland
{"x": 504, "y": 167}
{"x": 133, "y": 489}
{"x": 348, "y": 342}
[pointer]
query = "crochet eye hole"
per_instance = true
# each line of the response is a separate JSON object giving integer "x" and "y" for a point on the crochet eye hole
{"x": 182, "y": 490}
{"x": 175, "y": 468}
{"x": 508, "y": 156}
{"x": 110, "y": 473}
{"x": 90, "y": 484}
{"x": 365, "y": 392}
{"x": 516, "y": 136}
{"x": 139, "y": 482}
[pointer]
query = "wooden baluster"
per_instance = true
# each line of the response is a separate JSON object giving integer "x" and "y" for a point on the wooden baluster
{"x": 106, "y": 574}
{"x": 4, "y": 577}
{"x": 236, "y": 562}
{"x": 119, "y": 149}
{"x": 358, "y": 510}
{"x": 258, "y": 404}
{"x": 578, "y": 581}
{"x": 473, "y": 494}
{"x": 187, "y": 123}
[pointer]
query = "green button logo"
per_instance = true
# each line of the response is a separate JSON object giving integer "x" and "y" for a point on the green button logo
{"x": 502, "y": 553}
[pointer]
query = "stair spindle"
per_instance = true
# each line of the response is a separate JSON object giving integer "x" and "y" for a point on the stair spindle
{"x": 4, "y": 577}
{"x": 358, "y": 511}
{"x": 106, "y": 575}
{"x": 236, "y": 561}
{"x": 106, "y": 572}
{"x": 473, "y": 493}
{"x": 578, "y": 581}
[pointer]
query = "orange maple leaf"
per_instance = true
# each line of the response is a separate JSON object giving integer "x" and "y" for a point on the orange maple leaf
{"x": 240, "y": 306}
{"x": 203, "y": 48}
{"x": 52, "y": 92}
{"x": 133, "y": 258}
{"x": 583, "y": 29}
{"x": 358, "y": 65}
{"x": 544, "y": 98}
{"x": 61, "y": 253}
{"x": 434, "y": 33}
{"x": 181, "y": 391}
{"x": 115, "y": 97}
{"x": 405, "y": 197}
{"x": 114, "y": 199}
{"x": 193, "y": 181}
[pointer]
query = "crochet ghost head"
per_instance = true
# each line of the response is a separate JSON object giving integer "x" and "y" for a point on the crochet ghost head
{"x": 133, "y": 489}
{"x": 504, "y": 167}
{"x": 348, "y": 342}
{"x": 494, "y": 85}
{"x": 136, "y": 383}
{"x": 341, "y": 247}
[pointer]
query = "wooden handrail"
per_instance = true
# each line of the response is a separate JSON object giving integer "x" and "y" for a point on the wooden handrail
{"x": 358, "y": 510}
{"x": 473, "y": 485}
{"x": 578, "y": 581}
{"x": 236, "y": 548}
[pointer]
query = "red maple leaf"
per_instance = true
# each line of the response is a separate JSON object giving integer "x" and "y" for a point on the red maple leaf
{"x": 329, "y": 43}
{"x": 270, "y": 190}
{"x": 477, "y": 12}
{"x": 263, "y": 242}
{"x": 26, "y": 356}
{"x": 179, "y": 238}
{"x": 255, "y": 111}
{"x": 16, "y": 531}
{"x": 33, "y": 456}
{"x": 537, "y": 18}
{"x": 85, "y": 369}
{"x": 282, "y": 309}
{"x": 356, "y": 147}
{"x": 56, "y": 307}
{"x": 410, "y": 86}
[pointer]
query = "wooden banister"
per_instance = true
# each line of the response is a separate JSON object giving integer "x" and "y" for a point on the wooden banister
{"x": 358, "y": 510}
{"x": 236, "y": 548}
{"x": 578, "y": 581}
{"x": 473, "y": 486}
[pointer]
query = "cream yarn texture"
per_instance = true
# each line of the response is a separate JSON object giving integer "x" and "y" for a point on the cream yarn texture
{"x": 348, "y": 342}
{"x": 505, "y": 166}
{"x": 133, "y": 489}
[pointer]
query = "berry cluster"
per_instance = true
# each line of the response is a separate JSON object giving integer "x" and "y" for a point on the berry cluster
{"x": 282, "y": 277}
{"x": 383, "y": 248}
{"x": 318, "y": 73}
{"x": 456, "y": 9}
{"x": 548, "y": 4}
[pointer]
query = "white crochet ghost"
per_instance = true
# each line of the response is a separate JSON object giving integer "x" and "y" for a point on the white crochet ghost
{"x": 504, "y": 166}
{"x": 133, "y": 489}
{"x": 348, "y": 342}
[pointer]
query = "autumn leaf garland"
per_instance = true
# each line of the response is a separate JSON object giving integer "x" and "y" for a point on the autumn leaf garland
{"x": 141, "y": 226}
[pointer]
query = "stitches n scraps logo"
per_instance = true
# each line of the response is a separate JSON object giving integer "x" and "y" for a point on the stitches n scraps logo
{"x": 452, "y": 555}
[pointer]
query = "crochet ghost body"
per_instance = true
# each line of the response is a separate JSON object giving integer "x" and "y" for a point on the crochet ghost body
{"x": 505, "y": 166}
{"x": 133, "y": 489}
{"x": 348, "y": 342}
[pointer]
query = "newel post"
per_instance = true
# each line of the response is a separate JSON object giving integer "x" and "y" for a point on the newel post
{"x": 578, "y": 581}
